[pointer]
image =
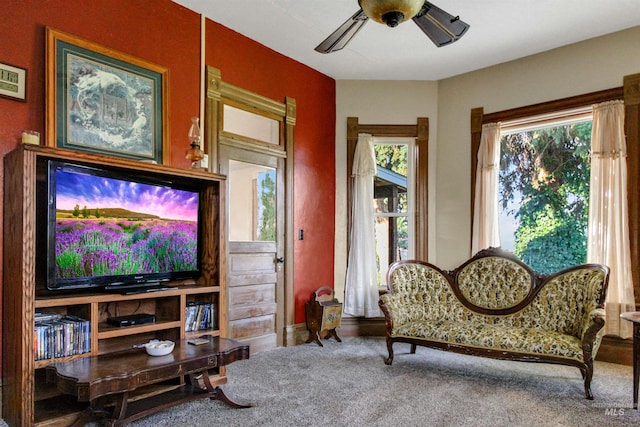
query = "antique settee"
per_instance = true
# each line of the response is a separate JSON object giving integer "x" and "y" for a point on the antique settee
{"x": 495, "y": 306}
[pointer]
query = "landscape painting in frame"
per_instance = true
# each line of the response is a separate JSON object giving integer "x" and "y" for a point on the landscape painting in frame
{"x": 104, "y": 102}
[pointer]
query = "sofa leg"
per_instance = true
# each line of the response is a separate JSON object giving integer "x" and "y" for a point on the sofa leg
{"x": 413, "y": 348}
{"x": 389, "y": 360}
{"x": 587, "y": 374}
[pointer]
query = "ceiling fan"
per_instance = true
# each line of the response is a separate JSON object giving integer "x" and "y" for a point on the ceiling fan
{"x": 441, "y": 27}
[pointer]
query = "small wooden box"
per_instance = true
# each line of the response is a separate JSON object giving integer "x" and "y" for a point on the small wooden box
{"x": 324, "y": 314}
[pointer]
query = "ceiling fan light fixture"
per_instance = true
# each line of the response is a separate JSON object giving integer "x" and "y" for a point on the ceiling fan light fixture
{"x": 391, "y": 12}
{"x": 441, "y": 27}
{"x": 393, "y": 18}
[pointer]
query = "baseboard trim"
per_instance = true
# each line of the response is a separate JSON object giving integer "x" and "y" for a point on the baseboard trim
{"x": 349, "y": 327}
{"x": 616, "y": 350}
{"x": 295, "y": 334}
{"x": 362, "y": 326}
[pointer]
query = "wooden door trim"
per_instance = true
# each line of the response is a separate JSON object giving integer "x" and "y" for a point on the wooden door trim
{"x": 219, "y": 92}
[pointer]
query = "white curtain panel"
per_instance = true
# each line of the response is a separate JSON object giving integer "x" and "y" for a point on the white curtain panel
{"x": 361, "y": 287}
{"x": 486, "y": 232}
{"x": 608, "y": 241}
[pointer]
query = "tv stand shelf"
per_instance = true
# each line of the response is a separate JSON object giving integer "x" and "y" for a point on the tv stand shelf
{"x": 109, "y": 331}
{"x": 27, "y": 398}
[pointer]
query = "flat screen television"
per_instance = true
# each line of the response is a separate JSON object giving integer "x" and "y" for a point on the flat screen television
{"x": 109, "y": 228}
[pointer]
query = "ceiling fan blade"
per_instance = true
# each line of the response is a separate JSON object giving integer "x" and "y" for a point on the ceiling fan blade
{"x": 441, "y": 27}
{"x": 340, "y": 37}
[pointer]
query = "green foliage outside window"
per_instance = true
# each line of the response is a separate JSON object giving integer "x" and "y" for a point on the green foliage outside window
{"x": 544, "y": 184}
{"x": 267, "y": 202}
{"x": 392, "y": 157}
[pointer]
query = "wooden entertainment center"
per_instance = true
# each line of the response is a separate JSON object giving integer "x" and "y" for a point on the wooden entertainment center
{"x": 27, "y": 397}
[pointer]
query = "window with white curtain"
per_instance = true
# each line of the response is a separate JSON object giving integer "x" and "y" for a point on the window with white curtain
{"x": 610, "y": 221}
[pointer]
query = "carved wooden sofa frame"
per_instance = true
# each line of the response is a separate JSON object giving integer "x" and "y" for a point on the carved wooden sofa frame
{"x": 495, "y": 306}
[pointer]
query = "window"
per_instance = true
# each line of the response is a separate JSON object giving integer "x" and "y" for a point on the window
{"x": 543, "y": 190}
{"x": 252, "y": 199}
{"x": 394, "y": 199}
{"x": 251, "y": 125}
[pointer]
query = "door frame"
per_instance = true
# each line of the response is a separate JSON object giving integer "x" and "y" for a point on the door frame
{"x": 219, "y": 93}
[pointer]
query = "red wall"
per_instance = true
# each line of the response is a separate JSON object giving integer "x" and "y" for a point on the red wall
{"x": 167, "y": 34}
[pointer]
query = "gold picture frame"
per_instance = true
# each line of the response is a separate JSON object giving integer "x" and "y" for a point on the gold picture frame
{"x": 103, "y": 101}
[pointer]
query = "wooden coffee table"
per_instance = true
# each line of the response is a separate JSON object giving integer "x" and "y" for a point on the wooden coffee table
{"x": 113, "y": 377}
{"x": 634, "y": 316}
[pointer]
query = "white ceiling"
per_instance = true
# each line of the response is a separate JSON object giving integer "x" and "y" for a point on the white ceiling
{"x": 501, "y": 30}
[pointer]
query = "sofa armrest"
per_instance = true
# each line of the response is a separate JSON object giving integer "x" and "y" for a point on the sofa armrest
{"x": 569, "y": 299}
{"x": 396, "y": 309}
{"x": 388, "y": 316}
{"x": 595, "y": 315}
{"x": 589, "y": 334}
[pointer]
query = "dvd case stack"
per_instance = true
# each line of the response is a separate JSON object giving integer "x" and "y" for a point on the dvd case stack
{"x": 200, "y": 316}
{"x": 60, "y": 336}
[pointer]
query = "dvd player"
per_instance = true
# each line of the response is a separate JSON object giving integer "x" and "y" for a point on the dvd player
{"x": 132, "y": 319}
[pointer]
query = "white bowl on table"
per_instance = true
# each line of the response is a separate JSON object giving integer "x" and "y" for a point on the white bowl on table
{"x": 159, "y": 348}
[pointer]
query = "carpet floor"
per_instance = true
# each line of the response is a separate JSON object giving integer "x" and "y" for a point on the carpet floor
{"x": 348, "y": 384}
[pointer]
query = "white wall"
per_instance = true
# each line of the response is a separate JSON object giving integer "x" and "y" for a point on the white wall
{"x": 378, "y": 102}
{"x": 588, "y": 66}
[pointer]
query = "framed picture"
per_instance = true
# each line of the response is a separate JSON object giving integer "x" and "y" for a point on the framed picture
{"x": 13, "y": 82}
{"x": 104, "y": 102}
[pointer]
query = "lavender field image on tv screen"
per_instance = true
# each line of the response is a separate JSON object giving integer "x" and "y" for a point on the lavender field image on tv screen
{"x": 106, "y": 227}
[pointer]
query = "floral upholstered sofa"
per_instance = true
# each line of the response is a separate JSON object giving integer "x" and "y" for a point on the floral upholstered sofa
{"x": 495, "y": 306}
